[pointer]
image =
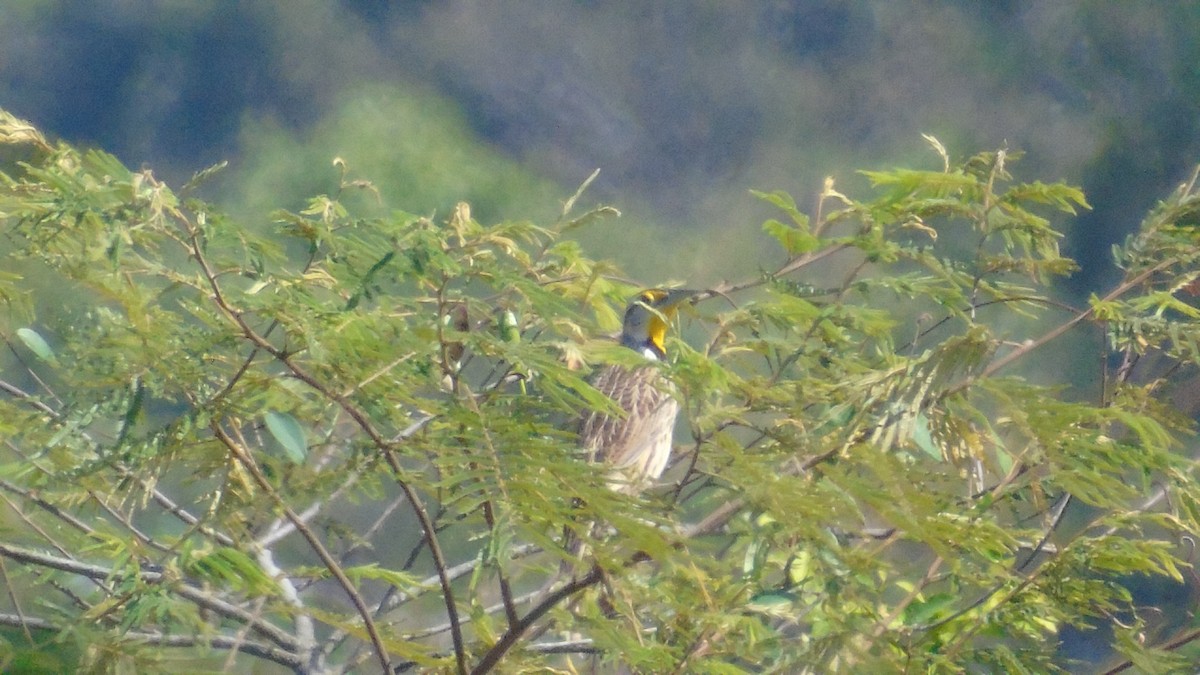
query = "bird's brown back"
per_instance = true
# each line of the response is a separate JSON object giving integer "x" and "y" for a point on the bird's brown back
{"x": 638, "y": 445}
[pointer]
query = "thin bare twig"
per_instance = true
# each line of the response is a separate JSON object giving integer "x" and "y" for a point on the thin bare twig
{"x": 196, "y": 250}
{"x": 195, "y": 595}
{"x": 236, "y": 643}
{"x": 1050, "y": 335}
{"x": 239, "y": 453}
{"x": 493, "y": 656}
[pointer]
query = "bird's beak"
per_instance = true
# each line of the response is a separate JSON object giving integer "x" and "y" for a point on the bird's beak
{"x": 663, "y": 311}
{"x": 673, "y": 297}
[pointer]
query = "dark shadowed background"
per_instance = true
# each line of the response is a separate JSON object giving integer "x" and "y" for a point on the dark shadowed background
{"x": 682, "y": 105}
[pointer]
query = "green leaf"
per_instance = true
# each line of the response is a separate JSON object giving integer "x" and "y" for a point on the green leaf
{"x": 373, "y": 571}
{"x": 201, "y": 177}
{"x": 924, "y": 439}
{"x": 785, "y": 203}
{"x": 509, "y": 328}
{"x": 232, "y": 567}
{"x": 921, "y": 612}
{"x": 793, "y": 239}
{"x": 285, "y": 429}
{"x": 772, "y": 603}
{"x": 37, "y": 344}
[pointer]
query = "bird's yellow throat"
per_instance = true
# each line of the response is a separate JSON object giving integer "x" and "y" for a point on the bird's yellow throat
{"x": 658, "y": 330}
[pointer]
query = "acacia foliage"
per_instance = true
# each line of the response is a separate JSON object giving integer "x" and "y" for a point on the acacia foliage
{"x": 344, "y": 441}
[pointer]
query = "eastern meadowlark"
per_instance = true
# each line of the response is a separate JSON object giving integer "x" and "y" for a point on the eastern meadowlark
{"x": 637, "y": 446}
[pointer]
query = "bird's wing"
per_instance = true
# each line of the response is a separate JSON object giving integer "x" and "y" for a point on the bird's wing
{"x": 638, "y": 444}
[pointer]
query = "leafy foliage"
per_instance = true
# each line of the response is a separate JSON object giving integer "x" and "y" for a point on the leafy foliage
{"x": 343, "y": 440}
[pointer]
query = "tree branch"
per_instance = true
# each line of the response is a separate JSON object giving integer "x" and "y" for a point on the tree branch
{"x": 314, "y": 543}
{"x": 492, "y": 658}
{"x": 257, "y": 649}
{"x": 197, "y": 252}
{"x": 200, "y": 598}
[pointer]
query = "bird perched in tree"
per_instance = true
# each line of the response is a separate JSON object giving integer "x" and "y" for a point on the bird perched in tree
{"x": 637, "y": 445}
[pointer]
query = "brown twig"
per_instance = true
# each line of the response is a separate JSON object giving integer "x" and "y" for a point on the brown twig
{"x": 493, "y": 656}
{"x": 197, "y": 596}
{"x": 1050, "y": 335}
{"x": 243, "y": 457}
{"x": 256, "y": 649}
{"x": 196, "y": 249}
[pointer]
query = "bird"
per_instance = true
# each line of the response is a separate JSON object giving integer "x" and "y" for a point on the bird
{"x": 636, "y": 446}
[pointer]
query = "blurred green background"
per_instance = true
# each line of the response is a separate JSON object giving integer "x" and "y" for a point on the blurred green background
{"x": 684, "y": 106}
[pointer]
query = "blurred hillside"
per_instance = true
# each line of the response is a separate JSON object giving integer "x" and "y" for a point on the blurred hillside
{"x": 683, "y": 106}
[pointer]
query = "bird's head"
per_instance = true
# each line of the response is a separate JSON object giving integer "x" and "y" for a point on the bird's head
{"x": 646, "y": 318}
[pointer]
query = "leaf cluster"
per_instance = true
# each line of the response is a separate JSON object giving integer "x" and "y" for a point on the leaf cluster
{"x": 338, "y": 441}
